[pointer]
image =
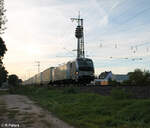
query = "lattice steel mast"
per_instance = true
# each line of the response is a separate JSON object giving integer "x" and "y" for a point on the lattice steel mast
{"x": 79, "y": 34}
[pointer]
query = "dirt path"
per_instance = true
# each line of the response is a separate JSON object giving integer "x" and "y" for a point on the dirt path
{"x": 20, "y": 111}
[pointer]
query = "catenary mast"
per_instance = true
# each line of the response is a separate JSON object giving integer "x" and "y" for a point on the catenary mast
{"x": 79, "y": 34}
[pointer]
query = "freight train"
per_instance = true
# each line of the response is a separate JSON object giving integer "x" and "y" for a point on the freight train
{"x": 81, "y": 70}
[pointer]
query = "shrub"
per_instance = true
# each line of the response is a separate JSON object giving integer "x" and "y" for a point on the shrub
{"x": 139, "y": 77}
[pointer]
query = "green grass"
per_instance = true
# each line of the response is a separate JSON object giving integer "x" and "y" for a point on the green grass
{"x": 87, "y": 110}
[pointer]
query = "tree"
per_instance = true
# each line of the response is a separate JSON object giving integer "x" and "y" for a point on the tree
{"x": 2, "y": 17}
{"x": 3, "y": 75}
{"x": 3, "y": 49}
{"x": 139, "y": 77}
{"x": 3, "y": 72}
{"x": 13, "y": 80}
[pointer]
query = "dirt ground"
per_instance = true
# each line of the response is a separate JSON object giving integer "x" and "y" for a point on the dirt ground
{"x": 19, "y": 111}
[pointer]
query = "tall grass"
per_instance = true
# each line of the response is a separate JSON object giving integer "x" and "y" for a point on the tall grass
{"x": 87, "y": 110}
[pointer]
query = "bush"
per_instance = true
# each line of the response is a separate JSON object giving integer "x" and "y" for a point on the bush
{"x": 139, "y": 78}
{"x": 13, "y": 80}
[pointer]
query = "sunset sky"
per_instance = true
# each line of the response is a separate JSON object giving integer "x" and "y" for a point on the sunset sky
{"x": 117, "y": 34}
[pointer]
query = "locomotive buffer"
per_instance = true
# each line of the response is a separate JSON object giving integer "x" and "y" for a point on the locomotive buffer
{"x": 80, "y": 37}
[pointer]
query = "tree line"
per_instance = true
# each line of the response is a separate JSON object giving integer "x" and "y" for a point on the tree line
{"x": 138, "y": 77}
{"x": 135, "y": 78}
{"x": 3, "y": 49}
{"x": 12, "y": 79}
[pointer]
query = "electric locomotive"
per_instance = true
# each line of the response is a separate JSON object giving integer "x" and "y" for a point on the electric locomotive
{"x": 84, "y": 71}
{"x": 77, "y": 71}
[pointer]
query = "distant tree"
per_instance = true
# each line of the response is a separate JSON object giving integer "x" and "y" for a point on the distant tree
{"x": 13, "y": 80}
{"x": 139, "y": 77}
{"x": 3, "y": 74}
{"x": 2, "y": 17}
{"x": 3, "y": 49}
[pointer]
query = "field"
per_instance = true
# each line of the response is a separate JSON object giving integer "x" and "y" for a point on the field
{"x": 90, "y": 110}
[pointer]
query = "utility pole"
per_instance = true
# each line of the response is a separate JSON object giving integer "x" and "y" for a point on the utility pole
{"x": 79, "y": 34}
{"x": 38, "y": 65}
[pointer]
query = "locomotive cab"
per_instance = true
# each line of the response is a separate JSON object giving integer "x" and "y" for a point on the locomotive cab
{"x": 85, "y": 70}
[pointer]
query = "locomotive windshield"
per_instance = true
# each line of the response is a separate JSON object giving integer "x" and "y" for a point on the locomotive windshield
{"x": 85, "y": 65}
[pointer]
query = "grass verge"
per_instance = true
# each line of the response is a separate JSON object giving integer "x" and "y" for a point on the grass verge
{"x": 87, "y": 110}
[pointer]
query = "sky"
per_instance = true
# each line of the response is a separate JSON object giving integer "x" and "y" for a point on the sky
{"x": 116, "y": 34}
